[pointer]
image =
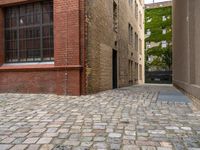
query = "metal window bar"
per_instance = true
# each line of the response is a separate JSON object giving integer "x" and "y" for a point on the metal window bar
{"x": 29, "y": 37}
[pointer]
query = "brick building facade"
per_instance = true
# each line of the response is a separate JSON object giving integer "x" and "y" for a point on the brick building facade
{"x": 70, "y": 47}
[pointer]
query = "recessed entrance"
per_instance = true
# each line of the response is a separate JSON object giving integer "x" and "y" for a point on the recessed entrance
{"x": 114, "y": 68}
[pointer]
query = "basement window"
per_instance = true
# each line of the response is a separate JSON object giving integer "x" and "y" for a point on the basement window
{"x": 29, "y": 32}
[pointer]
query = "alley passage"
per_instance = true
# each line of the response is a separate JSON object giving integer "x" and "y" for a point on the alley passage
{"x": 149, "y": 117}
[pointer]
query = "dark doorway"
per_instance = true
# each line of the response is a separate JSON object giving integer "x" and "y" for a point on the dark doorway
{"x": 114, "y": 68}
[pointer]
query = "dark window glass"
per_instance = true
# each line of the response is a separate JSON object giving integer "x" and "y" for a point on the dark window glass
{"x": 29, "y": 32}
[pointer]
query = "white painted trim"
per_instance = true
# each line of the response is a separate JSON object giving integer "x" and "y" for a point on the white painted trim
{"x": 24, "y": 64}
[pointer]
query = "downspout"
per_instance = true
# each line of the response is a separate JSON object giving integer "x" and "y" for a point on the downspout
{"x": 66, "y": 54}
{"x": 188, "y": 40}
{"x": 118, "y": 47}
{"x": 82, "y": 41}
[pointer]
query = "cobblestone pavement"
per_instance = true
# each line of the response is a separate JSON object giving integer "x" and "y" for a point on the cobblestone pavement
{"x": 128, "y": 118}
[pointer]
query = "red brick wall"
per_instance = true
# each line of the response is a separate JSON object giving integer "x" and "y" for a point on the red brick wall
{"x": 29, "y": 82}
{"x": 69, "y": 50}
{"x": 39, "y": 82}
{"x": 66, "y": 32}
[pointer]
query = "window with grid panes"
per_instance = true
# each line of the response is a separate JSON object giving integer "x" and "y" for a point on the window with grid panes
{"x": 29, "y": 32}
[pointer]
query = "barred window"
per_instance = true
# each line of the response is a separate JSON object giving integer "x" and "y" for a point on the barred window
{"x": 130, "y": 33}
{"x": 29, "y": 32}
{"x": 136, "y": 10}
{"x": 136, "y": 41}
{"x": 140, "y": 46}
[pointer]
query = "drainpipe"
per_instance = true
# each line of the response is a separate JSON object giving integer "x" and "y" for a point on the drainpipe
{"x": 118, "y": 47}
{"x": 188, "y": 39}
{"x": 65, "y": 54}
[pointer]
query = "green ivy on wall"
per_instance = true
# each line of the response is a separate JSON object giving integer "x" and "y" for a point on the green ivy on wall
{"x": 154, "y": 22}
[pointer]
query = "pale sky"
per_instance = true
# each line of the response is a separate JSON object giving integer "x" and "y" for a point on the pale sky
{"x": 150, "y": 1}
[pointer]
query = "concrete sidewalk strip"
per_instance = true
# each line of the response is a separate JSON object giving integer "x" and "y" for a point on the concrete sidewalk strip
{"x": 173, "y": 96}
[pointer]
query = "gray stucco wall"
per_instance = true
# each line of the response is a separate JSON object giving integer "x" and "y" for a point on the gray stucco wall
{"x": 186, "y": 45}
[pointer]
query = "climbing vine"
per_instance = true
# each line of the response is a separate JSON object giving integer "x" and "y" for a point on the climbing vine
{"x": 155, "y": 24}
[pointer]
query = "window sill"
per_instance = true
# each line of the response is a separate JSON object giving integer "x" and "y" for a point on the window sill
{"x": 27, "y": 67}
{"x": 27, "y": 64}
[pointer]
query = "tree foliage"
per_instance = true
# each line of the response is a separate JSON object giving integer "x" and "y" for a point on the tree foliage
{"x": 163, "y": 57}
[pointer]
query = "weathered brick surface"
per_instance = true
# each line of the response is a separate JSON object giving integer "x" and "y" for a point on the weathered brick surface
{"x": 68, "y": 49}
{"x": 101, "y": 42}
{"x": 83, "y": 38}
{"x": 41, "y": 82}
{"x": 67, "y": 32}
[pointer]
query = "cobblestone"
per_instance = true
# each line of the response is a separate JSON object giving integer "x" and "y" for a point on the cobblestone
{"x": 129, "y": 118}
